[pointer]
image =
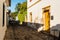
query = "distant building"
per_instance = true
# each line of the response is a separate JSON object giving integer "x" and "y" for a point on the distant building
{"x": 3, "y": 17}
{"x": 16, "y": 18}
{"x": 45, "y": 12}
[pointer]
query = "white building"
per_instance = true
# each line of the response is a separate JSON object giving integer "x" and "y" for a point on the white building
{"x": 3, "y": 17}
{"x": 46, "y": 12}
{"x": 16, "y": 18}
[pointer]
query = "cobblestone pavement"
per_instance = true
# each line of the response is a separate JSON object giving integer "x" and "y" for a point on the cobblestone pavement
{"x": 25, "y": 33}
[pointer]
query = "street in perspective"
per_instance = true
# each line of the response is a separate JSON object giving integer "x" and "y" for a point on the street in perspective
{"x": 29, "y": 20}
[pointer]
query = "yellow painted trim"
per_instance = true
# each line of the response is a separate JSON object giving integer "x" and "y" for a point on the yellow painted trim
{"x": 33, "y": 4}
{"x": 47, "y": 8}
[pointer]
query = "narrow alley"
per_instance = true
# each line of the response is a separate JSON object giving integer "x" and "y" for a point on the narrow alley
{"x": 29, "y": 20}
{"x": 25, "y": 33}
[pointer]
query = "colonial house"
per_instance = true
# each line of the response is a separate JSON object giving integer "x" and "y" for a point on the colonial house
{"x": 3, "y": 17}
{"x": 44, "y": 13}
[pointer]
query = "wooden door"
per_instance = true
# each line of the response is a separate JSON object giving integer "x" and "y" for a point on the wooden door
{"x": 46, "y": 20}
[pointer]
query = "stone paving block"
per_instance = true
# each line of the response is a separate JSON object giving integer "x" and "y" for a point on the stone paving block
{"x": 24, "y": 33}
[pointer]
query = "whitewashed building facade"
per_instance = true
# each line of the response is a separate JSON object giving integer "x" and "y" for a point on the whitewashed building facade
{"x": 3, "y": 17}
{"x": 46, "y": 12}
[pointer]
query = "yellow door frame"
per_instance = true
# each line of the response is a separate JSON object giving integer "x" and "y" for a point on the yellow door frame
{"x": 46, "y": 18}
{"x": 30, "y": 16}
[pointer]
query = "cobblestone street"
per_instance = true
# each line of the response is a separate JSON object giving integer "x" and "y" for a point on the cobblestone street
{"x": 25, "y": 33}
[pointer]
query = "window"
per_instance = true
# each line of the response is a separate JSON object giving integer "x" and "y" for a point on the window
{"x": 30, "y": 0}
{"x": 31, "y": 16}
{"x": 3, "y": 13}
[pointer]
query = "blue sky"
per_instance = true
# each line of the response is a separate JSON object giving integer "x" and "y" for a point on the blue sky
{"x": 13, "y": 4}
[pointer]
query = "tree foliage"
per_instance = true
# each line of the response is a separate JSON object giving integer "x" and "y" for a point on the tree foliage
{"x": 14, "y": 14}
{"x": 21, "y": 6}
{"x": 22, "y": 9}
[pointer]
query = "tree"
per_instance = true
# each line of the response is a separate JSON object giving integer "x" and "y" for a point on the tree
{"x": 18, "y": 7}
{"x": 21, "y": 6}
{"x": 22, "y": 11}
{"x": 14, "y": 14}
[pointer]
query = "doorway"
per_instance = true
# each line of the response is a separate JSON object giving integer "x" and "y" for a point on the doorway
{"x": 46, "y": 18}
{"x": 30, "y": 16}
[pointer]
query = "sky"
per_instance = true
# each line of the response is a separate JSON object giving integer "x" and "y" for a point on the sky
{"x": 13, "y": 4}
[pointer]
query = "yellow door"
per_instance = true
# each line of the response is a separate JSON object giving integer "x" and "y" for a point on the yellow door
{"x": 46, "y": 20}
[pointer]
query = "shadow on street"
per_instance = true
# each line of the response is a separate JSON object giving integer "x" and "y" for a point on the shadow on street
{"x": 23, "y": 32}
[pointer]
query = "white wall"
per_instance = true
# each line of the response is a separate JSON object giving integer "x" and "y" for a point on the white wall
{"x": 54, "y": 11}
{"x": 37, "y": 10}
{"x": 2, "y": 28}
{"x": 30, "y": 3}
